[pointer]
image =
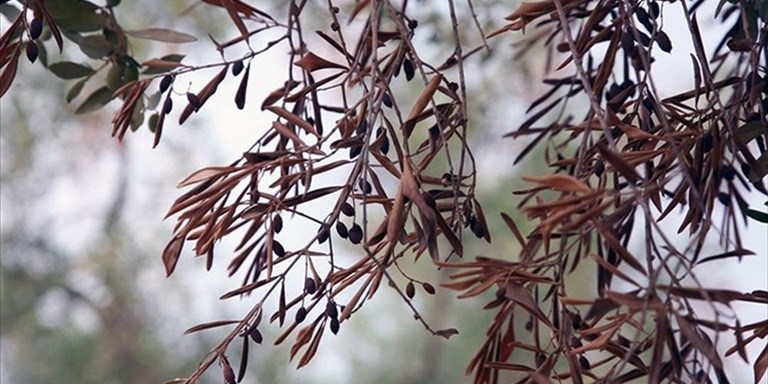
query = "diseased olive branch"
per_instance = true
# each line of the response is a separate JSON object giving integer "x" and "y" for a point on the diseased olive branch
{"x": 644, "y": 152}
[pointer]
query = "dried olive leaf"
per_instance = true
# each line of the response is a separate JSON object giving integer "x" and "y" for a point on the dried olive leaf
{"x": 162, "y": 34}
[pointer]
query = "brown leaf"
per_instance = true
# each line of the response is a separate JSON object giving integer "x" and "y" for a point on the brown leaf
{"x": 161, "y": 64}
{"x": 560, "y": 182}
{"x": 6, "y": 79}
{"x": 513, "y": 227}
{"x": 520, "y": 295}
{"x": 278, "y": 94}
{"x": 286, "y": 132}
{"x": 421, "y": 103}
{"x": 600, "y": 307}
{"x": 203, "y": 95}
{"x": 761, "y": 365}
{"x": 292, "y": 118}
{"x": 247, "y": 288}
{"x": 311, "y": 62}
{"x": 700, "y": 342}
{"x": 49, "y": 20}
{"x": 447, "y": 333}
{"x": 613, "y": 242}
{"x": 618, "y": 163}
{"x": 205, "y": 174}
{"x": 212, "y": 324}
{"x": 171, "y": 254}
{"x": 311, "y": 349}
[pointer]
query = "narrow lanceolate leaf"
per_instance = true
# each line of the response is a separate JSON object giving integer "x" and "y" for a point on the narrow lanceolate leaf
{"x": 421, "y": 103}
{"x": 70, "y": 70}
{"x": 196, "y": 101}
{"x": 212, "y": 324}
{"x": 95, "y": 100}
{"x": 162, "y": 34}
{"x": 9, "y": 73}
{"x": 757, "y": 215}
{"x": 160, "y": 64}
{"x": 292, "y": 118}
{"x": 761, "y": 365}
{"x": 560, "y": 182}
{"x": 171, "y": 254}
{"x": 75, "y": 89}
{"x": 311, "y": 62}
{"x": 205, "y": 174}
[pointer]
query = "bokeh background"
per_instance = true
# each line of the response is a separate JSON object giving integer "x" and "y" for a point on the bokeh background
{"x": 83, "y": 293}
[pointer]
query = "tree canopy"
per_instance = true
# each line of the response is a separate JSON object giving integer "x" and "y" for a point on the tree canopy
{"x": 353, "y": 158}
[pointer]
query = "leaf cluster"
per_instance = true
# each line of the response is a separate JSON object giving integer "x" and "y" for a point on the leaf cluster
{"x": 617, "y": 173}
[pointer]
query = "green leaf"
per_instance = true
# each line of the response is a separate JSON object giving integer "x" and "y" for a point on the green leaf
{"x": 76, "y": 15}
{"x": 96, "y": 46}
{"x": 137, "y": 118}
{"x": 757, "y": 215}
{"x": 65, "y": 9}
{"x": 42, "y": 53}
{"x": 70, "y": 70}
{"x": 162, "y": 34}
{"x": 9, "y": 11}
{"x": 152, "y": 123}
{"x": 75, "y": 89}
{"x": 95, "y": 100}
{"x": 153, "y": 100}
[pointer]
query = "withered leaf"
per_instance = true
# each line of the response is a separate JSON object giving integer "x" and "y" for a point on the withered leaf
{"x": 292, "y": 118}
{"x": 171, "y": 254}
{"x": 560, "y": 182}
{"x": 205, "y": 174}
{"x": 520, "y": 295}
{"x": 228, "y": 372}
{"x": 447, "y": 333}
{"x": 761, "y": 365}
{"x": 699, "y": 341}
{"x": 311, "y": 62}
{"x": 243, "y": 361}
{"x": 212, "y": 324}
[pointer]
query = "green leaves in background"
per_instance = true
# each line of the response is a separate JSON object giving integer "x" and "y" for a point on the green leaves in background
{"x": 95, "y": 100}
{"x": 75, "y": 89}
{"x": 76, "y": 15}
{"x": 69, "y": 70}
